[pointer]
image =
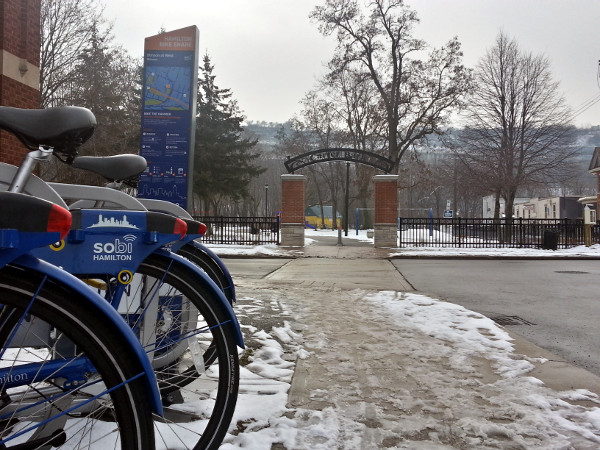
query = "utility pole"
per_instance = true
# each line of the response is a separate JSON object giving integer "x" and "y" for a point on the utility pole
{"x": 266, "y": 200}
{"x": 347, "y": 200}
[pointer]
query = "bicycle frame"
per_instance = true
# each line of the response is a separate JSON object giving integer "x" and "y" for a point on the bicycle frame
{"x": 96, "y": 196}
{"x": 115, "y": 242}
{"x": 31, "y": 231}
{"x": 101, "y": 308}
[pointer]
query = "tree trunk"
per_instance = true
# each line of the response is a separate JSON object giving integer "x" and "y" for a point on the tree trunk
{"x": 510, "y": 200}
{"x": 497, "y": 206}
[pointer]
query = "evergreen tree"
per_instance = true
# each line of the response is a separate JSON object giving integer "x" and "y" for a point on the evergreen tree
{"x": 224, "y": 162}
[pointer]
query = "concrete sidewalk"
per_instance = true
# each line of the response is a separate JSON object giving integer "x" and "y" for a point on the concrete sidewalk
{"x": 371, "y": 372}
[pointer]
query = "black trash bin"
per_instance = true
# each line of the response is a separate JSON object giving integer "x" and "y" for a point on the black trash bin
{"x": 550, "y": 240}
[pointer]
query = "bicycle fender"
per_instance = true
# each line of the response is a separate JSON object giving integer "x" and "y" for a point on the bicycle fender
{"x": 212, "y": 258}
{"x": 212, "y": 288}
{"x": 102, "y": 309}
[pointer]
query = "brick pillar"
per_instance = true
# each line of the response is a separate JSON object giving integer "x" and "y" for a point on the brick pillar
{"x": 292, "y": 210}
{"x": 20, "y": 60}
{"x": 386, "y": 210}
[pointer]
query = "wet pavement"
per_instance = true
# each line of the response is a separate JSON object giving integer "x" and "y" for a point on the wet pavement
{"x": 372, "y": 375}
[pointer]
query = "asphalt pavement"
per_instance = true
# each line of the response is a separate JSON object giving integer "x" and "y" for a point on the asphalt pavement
{"x": 552, "y": 303}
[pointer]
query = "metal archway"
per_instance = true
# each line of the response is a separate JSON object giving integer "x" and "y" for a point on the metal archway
{"x": 340, "y": 154}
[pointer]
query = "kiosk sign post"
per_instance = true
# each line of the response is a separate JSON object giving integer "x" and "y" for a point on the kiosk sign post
{"x": 168, "y": 115}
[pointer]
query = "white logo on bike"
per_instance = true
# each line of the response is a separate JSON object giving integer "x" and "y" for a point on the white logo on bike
{"x": 113, "y": 222}
{"x": 117, "y": 250}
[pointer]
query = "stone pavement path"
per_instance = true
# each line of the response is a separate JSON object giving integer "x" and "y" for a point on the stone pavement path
{"x": 381, "y": 383}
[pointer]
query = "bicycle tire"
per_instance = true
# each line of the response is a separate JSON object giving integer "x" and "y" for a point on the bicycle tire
{"x": 83, "y": 416}
{"x": 202, "y": 259}
{"x": 207, "y": 382}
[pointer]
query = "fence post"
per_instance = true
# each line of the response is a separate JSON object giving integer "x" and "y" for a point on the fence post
{"x": 222, "y": 227}
{"x": 521, "y": 232}
{"x": 399, "y": 231}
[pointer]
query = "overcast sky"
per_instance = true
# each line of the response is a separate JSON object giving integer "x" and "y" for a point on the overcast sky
{"x": 269, "y": 53}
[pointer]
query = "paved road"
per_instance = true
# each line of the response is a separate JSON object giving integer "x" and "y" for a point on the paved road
{"x": 556, "y": 303}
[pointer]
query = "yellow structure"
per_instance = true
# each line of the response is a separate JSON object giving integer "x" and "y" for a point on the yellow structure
{"x": 314, "y": 218}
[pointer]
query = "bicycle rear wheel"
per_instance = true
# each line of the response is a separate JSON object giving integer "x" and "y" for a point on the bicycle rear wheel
{"x": 191, "y": 342}
{"x": 66, "y": 381}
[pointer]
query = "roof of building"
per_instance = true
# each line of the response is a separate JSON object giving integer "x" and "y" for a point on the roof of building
{"x": 595, "y": 162}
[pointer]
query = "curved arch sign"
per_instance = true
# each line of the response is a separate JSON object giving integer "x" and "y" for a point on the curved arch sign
{"x": 339, "y": 154}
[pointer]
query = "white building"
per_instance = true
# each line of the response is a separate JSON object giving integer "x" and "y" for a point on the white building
{"x": 489, "y": 203}
{"x": 549, "y": 208}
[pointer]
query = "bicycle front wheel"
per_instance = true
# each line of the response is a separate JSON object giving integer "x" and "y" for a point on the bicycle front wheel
{"x": 65, "y": 380}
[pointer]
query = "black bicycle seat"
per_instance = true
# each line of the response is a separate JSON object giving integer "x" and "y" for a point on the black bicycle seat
{"x": 62, "y": 128}
{"x": 113, "y": 168}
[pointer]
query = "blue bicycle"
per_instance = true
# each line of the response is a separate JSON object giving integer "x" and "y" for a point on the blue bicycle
{"x": 181, "y": 317}
{"x": 72, "y": 374}
{"x": 121, "y": 172}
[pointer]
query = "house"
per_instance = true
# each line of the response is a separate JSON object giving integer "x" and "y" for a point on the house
{"x": 489, "y": 204}
{"x": 549, "y": 208}
{"x": 594, "y": 168}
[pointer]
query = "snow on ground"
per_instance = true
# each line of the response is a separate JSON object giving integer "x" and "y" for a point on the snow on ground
{"x": 414, "y": 375}
{"x": 438, "y": 400}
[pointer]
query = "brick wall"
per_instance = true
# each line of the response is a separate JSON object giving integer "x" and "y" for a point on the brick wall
{"x": 292, "y": 198}
{"x": 386, "y": 199}
{"x": 19, "y": 60}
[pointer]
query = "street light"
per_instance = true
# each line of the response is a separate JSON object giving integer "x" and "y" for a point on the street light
{"x": 266, "y": 200}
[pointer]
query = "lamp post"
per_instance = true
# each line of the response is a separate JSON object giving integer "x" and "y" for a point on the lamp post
{"x": 266, "y": 200}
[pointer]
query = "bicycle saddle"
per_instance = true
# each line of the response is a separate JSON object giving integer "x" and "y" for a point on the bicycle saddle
{"x": 113, "y": 168}
{"x": 63, "y": 128}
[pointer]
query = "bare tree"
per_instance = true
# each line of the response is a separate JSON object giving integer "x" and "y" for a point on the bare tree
{"x": 317, "y": 127}
{"x": 518, "y": 130}
{"x": 67, "y": 27}
{"x": 360, "y": 115}
{"x": 417, "y": 95}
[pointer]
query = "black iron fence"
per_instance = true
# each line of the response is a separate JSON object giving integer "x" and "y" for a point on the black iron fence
{"x": 424, "y": 232}
{"x": 487, "y": 233}
{"x": 240, "y": 230}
